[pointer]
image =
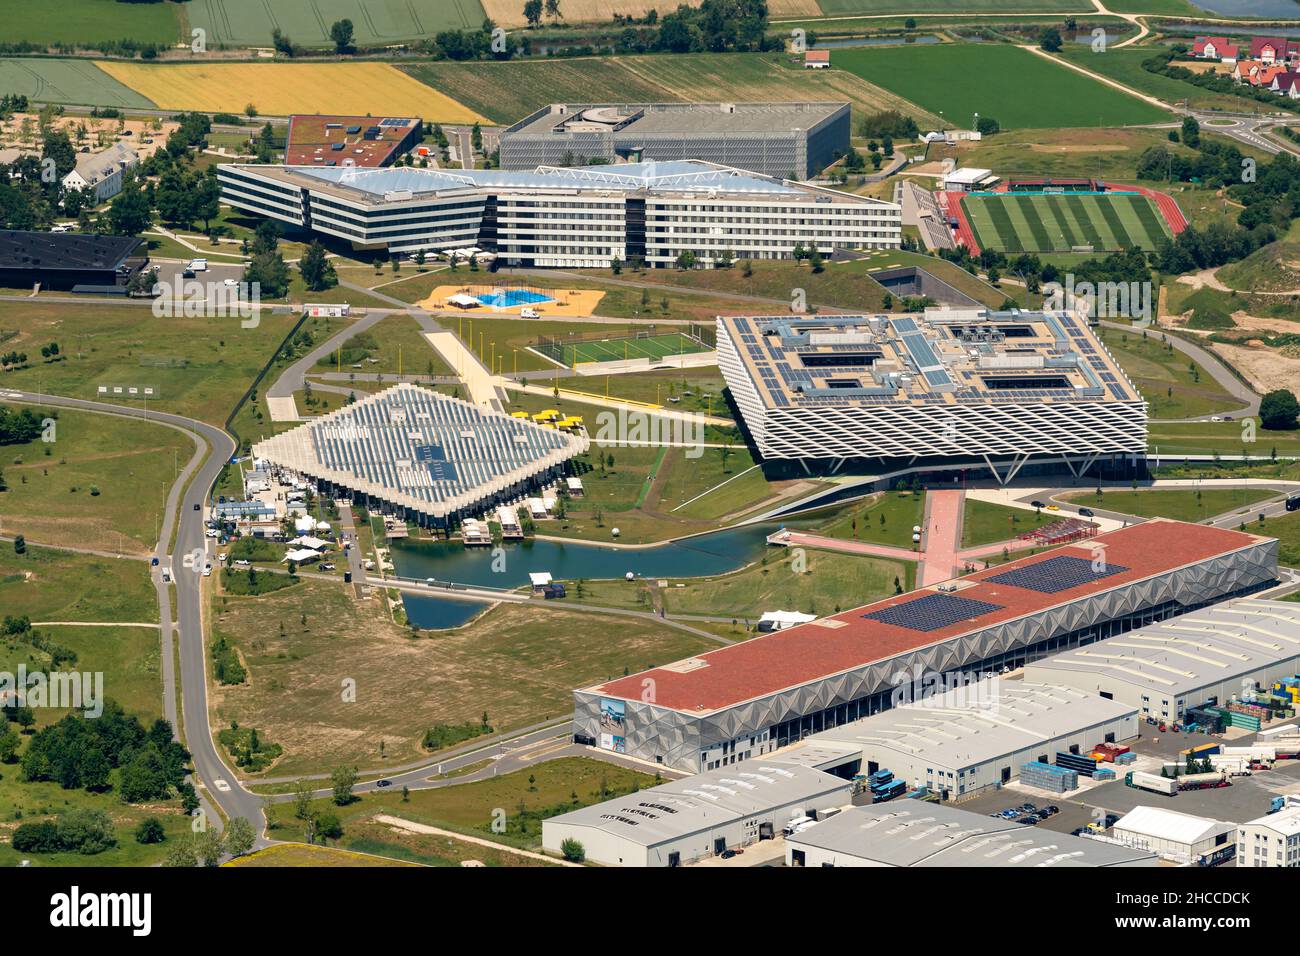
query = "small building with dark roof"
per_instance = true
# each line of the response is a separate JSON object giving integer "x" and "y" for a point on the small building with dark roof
{"x": 68, "y": 260}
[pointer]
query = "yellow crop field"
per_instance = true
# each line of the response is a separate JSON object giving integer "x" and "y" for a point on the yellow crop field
{"x": 278, "y": 89}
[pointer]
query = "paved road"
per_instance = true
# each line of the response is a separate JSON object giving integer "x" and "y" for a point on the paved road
{"x": 214, "y": 447}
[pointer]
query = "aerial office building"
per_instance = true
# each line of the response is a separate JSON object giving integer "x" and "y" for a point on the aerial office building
{"x": 951, "y": 385}
{"x": 744, "y": 701}
{"x": 1218, "y": 653}
{"x": 786, "y": 140}
{"x": 427, "y": 457}
{"x": 577, "y": 218}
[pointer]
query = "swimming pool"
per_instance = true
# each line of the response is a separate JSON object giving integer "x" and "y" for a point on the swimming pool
{"x": 509, "y": 298}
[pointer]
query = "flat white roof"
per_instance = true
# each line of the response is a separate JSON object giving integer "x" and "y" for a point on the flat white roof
{"x": 979, "y": 723}
{"x": 1285, "y": 822}
{"x": 1161, "y": 824}
{"x": 968, "y": 174}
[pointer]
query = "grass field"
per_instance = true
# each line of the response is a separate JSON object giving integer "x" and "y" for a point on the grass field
{"x": 84, "y": 22}
{"x": 840, "y": 8}
{"x": 1125, "y": 65}
{"x": 505, "y": 92}
{"x": 1014, "y": 86}
{"x": 519, "y": 664}
{"x": 691, "y": 389}
{"x": 885, "y": 518}
{"x": 102, "y": 484}
{"x": 556, "y": 786}
{"x": 621, "y": 348}
{"x": 984, "y": 522}
{"x": 299, "y": 855}
{"x": 198, "y": 366}
{"x": 68, "y": 81}
{"x": 243, "y": 23}
{"x": 1181, "y": 504}
{"x": 1015, "y": 223}
{"x": 277, "y": 89}
{"x": 1173, "y": 385}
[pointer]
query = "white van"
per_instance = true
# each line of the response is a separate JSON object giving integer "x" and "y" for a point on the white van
{"x": 528, "y": 313}
{"x": 198, "y": 265}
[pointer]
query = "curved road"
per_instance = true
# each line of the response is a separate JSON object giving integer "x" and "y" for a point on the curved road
{"x": 213, "y": 448}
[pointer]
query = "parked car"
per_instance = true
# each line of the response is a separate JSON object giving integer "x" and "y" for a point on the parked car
{"x": 1028, "y": 821}
{"x": 728, "y": 854}
{"x": 1028, "y": 808}
{"x": 1087, "y": 513}
{"x": 1049, "y": 811}
{"x": 383, "y": 783}
{"x": 327, "y": 567}
{"x": 1037, "y": 504}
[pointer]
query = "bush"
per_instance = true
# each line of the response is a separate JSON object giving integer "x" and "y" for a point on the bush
{"x": 150, "y": 831}
{"x": 573, "y": 850}
{"x": 83, "y": 831}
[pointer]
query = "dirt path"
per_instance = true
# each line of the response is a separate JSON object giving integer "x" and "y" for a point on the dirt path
{"x": 410, "y": 827}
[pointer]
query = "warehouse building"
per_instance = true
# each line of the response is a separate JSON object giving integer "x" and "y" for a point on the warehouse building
{"x": 1272, "y": 841}
{"x": 1177, "y": 837}
{"x": 686, "y": 820}
{"x": 950, "y": 386}
{"x": 69, "y": 260}
{"x": 428, "y": 458}
{"x": 316, "y": 140}
{"x": 916, "y": 833}
{"x": 587, "y": 217}
{"x": 963, "y": 740}
{"x": 789, "y": 140}
{"x": 743, "y": 701}
{"x": 1215, "y": 655}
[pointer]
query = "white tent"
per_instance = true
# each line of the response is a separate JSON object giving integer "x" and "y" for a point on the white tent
{"x": 309, "y": 541}
{"x": 780, "y": 620}
{"x": 300, "y": 555}
{"x": 304, "y": 525}
{"x": 539, "y": 579}
{"x": 463, "y": 300}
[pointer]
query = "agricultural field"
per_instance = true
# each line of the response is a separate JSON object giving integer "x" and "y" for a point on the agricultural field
{"x": 1125, "y": 65}
{"x": 278, "y": 89}
{"x": 67, "y": 81}
{"x": 506, "y": 92}
{"x": 1015, "y": 223}
{"x": 1011, "y": 85}
{"x": 89, "y": 22}
{"x": 841, "y": 8}
{"x": 248, "y": 23}
{"x": 510, "y": 13}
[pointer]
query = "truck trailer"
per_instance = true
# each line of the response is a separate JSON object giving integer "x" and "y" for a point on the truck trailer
{"x": 1151, "y": 781}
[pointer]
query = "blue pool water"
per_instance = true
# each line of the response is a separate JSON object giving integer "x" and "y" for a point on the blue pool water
{"x": 509, "y": 298}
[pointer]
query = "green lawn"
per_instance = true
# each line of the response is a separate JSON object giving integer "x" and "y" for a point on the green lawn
{"x": 101, "y": 483}
{"x": 1287, "y": 531}
{"x": 1181, "y": 504}
{"x": 1014, "y": 86}
{"x": 557, "y": 786}
{"x": 393, "y": 345}
{"x": 836, "y": 8}
{"x": 1173, "y": 385}
{"x": 1224, "y": 438}
{"x": 984, "y": 522}
{"x": 948, "y": 272}
{"x": 50, "y": 585}
{"x": 694, "y": 389}
{"x": 884, "y": 518}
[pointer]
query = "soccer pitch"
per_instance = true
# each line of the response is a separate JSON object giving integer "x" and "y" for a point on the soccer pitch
{"x": 1014, "y": 223}
{"x": 653, "y": 347}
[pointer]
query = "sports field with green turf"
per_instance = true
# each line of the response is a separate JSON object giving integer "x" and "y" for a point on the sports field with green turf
{"x": 1016, "y": 87}
{"x": 1035, "y": 222}
{"x": 619, "y": 349}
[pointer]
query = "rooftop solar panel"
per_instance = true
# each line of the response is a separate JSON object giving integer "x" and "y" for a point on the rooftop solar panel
{"x": 932, "y": 612}
{"x": 1057, "y": 574}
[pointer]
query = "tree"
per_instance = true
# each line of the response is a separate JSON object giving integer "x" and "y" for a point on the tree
{"x": 328, "y": 825}
{"x": 533, "y": 12}
{"x": 20, "y": 544}
{"x": 209, "y": 847}
{"x": 573, "y": 850}
{"x": 129, "y": 215}
{"x": 1277, "y": 410}
{"x": 1191, "y": 132}
{"x": 553, "y": 10}
{"x": 240, "y": 836}
{"x": 182, "y": 854}
{"x": 341, "y": 34}
{"x": 150, "y": 830}
{"x": 343, "y": 779}
{"x": 1050, "y": 39}
{"x": 317, "y": 271}
{"x": 271, "y": 272}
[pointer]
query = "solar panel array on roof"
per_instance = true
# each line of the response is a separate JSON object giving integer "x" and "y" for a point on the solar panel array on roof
{"x": 1057, "y": 574}
{"x": 932, "y": 612}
